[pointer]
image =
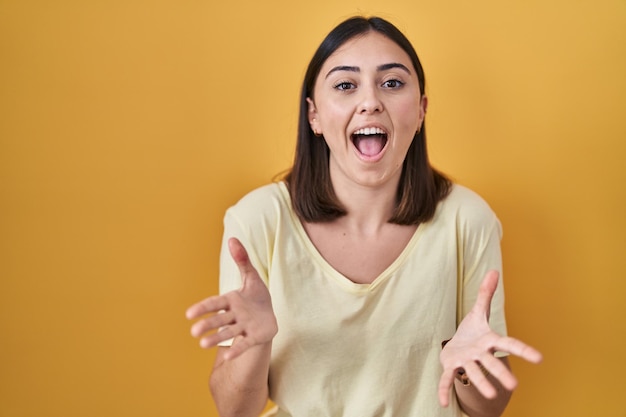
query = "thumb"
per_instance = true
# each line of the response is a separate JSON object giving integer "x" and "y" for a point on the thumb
{"x": 486, "y": 292}
{"x": 241, "y": 258}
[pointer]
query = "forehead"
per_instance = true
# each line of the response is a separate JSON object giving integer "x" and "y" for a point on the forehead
{"x": 372, "y": 49}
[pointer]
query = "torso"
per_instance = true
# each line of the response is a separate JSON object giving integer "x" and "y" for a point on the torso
{"x": 345, "y": 348}
{"x": 359, "y": 257}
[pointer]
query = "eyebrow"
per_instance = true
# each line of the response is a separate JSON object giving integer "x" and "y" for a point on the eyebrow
{"x": 383, "y": 67}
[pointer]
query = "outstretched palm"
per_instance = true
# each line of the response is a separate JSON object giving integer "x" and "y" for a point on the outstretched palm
{"x": 245, "y": 314}
{"x": 474, "y": 344}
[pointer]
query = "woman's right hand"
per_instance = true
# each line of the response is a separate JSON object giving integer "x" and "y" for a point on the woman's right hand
{"x": 245, "y": 314}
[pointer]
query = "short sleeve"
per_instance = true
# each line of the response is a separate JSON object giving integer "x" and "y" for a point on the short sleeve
{"x": 248, "y": 222}
{"x": 480, "y": 234}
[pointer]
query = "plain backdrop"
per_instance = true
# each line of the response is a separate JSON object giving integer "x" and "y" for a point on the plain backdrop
{"x": 127, "y": 127}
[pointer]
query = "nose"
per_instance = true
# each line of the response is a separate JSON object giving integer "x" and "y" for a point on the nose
{"x": 370, "y": 101}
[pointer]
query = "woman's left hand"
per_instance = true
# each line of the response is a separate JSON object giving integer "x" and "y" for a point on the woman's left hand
{"x": 473, "y": 346}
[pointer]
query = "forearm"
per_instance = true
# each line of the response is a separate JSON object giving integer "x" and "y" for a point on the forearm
{"x": 240, "y": 386}
{"x": 474, "y": 404}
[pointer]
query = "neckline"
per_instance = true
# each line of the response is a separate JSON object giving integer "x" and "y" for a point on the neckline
{"x": 334, "y": 274}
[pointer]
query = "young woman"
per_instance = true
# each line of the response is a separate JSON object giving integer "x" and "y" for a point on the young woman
{"x": 365, "y": 283}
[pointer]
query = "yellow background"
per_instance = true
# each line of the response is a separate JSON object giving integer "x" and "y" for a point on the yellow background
{"x": 127, "y": 127}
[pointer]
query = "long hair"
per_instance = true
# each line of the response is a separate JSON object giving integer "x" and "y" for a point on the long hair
{"x": 421, "y": 187}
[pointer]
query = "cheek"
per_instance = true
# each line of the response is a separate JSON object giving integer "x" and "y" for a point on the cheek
{"x": 334, "y": 115}
{"x": 409, "y": 115}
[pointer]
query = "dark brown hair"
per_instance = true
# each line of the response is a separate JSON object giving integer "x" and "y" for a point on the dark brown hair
{"x": 421, "y": 187}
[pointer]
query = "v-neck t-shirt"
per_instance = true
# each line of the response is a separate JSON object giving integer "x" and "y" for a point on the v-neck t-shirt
{"x": 364, "y": 350}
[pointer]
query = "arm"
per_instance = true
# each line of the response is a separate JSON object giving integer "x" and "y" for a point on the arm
{"x": 239, "y": 386}
{"x": 239, "y": 381}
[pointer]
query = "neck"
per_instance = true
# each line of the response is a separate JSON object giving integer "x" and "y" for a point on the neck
{"x": 369, "y": 208}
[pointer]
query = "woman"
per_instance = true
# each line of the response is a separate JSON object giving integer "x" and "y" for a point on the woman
{"x": 341, "y": 284}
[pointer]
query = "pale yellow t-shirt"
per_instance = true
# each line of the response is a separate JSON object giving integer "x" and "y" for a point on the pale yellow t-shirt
{"x": 364, "y": 350}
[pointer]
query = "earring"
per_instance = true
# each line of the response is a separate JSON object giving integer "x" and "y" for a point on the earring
{"x": 315, "y": 131}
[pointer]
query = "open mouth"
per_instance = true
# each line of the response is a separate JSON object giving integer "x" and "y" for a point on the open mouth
{"x": 369, "y": 141}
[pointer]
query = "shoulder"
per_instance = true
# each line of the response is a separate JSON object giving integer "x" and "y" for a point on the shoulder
{"x": 263, "y": 195}
{"x": 467, "y": 207}
{"x": 267, "y": 201}
{"x": 462, "y": 197}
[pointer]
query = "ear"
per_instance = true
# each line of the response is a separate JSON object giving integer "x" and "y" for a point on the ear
{"x": 422, "y": 111}
{"x": 313, "y": 117}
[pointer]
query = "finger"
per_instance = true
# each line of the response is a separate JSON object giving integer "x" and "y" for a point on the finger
{"x": 226, "y": 333}
{"x": 498, "y": 370}
{"x": 212, "y": 323}
{"x": 249, "y": 275}
{"x": 241, "y": 258}
{"x": 479, "y": 380}
{"x": 445, "y": 385}
{"x": 518, "y": 348}
{"x": 209, "y": 305}
{"x": 486, "y": 291}
{"x": 239, "y": 346}
{"x": 239, "y": 254}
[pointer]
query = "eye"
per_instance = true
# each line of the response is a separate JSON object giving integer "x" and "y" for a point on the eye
{"x": 393, "y": 84}
{"x": 344, "y": 85}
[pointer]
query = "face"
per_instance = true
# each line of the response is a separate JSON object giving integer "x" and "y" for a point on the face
{"x": 368, "y": 106}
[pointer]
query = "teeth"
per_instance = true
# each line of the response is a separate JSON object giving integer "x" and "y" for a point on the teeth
{"x": 370, "y": 131}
